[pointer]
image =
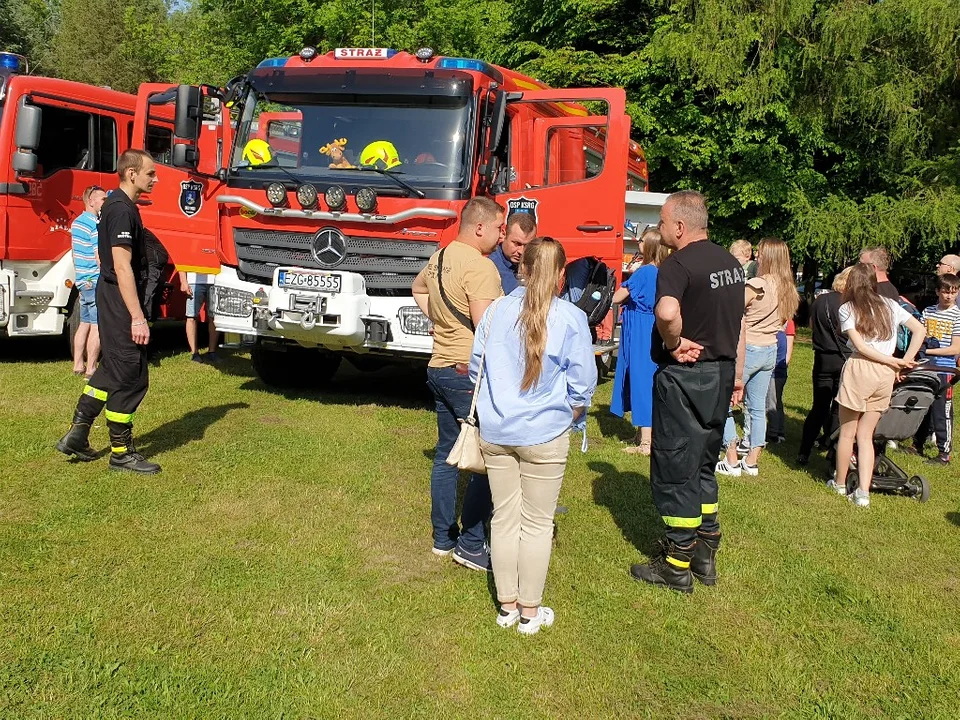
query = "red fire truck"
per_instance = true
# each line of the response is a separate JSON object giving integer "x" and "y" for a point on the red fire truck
{"x": 56, "y": 139}
{"x": 317, "y": 257}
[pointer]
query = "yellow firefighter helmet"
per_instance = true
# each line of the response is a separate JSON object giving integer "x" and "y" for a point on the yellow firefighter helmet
{"x": 257, "y": 152}
{"x": 381, "y": 154}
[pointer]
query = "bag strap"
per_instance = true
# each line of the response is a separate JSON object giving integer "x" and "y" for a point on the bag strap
{"x": 467, "y": 322}
{"x": 472, "y": 417}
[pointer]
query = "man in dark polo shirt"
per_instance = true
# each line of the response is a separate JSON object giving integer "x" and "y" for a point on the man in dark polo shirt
{"x": 120, "y": 382}
{"x": 879, "y": 259}
{"x": 698, "y": 346}
{"x": 521, "y": 229}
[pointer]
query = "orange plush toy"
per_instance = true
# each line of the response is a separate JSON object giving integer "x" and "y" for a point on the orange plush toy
{"x": 335, "y": 151}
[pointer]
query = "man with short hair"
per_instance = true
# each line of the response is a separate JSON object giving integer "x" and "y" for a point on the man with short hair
{"x": 949, "y": 265}
{"x": 879, "y": 258}
{"x": 699, "y": 348}
{"x": 454, "y": 290}
{"x": 742, "y": 250}
{"x": 121, "y": 381}
{"x": 521, "y": 229}
{"x": 86, "y": 265}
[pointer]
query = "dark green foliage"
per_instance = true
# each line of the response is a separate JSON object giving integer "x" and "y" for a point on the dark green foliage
{"x": 832, "y": 123}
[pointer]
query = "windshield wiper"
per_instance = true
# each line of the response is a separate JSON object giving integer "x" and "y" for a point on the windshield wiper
{"x": 268, "y": 166}
{"x": 393, "y": 176}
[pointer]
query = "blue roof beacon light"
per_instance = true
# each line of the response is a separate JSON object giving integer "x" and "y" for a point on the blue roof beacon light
{"x": 274, "y": 62}
{"x": 11, "y": 62}
{"x": 449, "y": 63}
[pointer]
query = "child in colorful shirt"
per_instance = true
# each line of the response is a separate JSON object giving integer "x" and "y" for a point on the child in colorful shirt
{"x": 942, "y": 322}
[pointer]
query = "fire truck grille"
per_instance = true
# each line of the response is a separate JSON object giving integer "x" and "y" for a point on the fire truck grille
{"x": 386, "y": 265}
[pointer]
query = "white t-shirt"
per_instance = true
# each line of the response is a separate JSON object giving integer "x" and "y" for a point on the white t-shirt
{"x": 848, "y": 321}
{"x": 194, "y": 278}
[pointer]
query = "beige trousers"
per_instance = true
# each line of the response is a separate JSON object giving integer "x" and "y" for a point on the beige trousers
{"x": 524, "y": 483}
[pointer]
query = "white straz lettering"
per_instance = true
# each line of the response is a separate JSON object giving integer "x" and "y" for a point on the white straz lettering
{"x": 722, "y": 278}
{"x": 124, "y": 236}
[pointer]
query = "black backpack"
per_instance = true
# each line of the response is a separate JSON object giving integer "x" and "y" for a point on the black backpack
{"x": 597, "y": 297}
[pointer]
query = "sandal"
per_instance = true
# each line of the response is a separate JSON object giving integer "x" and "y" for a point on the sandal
{"x": 643, "y": 448}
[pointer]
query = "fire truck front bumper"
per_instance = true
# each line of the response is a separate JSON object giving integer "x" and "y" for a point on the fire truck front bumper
{"x": 329, "y": 309}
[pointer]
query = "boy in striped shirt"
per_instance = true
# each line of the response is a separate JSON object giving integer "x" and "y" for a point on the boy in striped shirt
{"x": 943, "y": 323}
{"x": 83, "y": 234}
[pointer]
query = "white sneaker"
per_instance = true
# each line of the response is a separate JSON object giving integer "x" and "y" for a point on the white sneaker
{"x": 838, "y": 489}
{"x": 749, "y": 469}
{"x": 859, "y": 498}
{"x": 508, "y": 619}
{"x": 725, "y": 468}
{"x": 531, "y": 626}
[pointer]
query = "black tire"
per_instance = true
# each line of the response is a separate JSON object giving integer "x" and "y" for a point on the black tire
{"x": 292, "y": 366}
{"x": 853, "y": 481}
{"x": 922, "y": 487}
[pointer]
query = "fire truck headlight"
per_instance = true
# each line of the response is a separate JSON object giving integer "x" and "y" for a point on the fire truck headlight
{"x": 276, "y": 194}
{"x": 414, "y": 322}
{"x": 232, "y": 302}
{"x": 308, "y": 53}
{"x": 307, "y": 196}
{"x": 424, "y": 54}
{"x": 367, "y": 199}
{"x": 335, "y": 198}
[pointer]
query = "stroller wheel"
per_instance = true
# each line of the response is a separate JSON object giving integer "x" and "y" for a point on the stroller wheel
{"x": 921, "y": 488}
{"x": 853, "y": 481}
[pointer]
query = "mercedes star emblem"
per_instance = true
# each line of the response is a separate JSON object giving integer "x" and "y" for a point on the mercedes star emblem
{"x": 329, "y": 247}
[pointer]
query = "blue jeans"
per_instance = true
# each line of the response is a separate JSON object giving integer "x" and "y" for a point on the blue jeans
{"x": 453, "y": 393}
{"x": 757, "y": 370}
{"x": 88, "y": 304}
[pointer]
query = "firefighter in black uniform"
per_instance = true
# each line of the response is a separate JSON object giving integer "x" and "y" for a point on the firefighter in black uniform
{"x": 120, "y": 382}
{"x": 698, "y": 344}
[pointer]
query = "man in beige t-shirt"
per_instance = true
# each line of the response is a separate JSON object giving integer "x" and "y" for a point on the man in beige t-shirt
{"x": 470, "y": 282}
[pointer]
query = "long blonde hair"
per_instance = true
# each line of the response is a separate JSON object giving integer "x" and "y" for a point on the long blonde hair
{"x": 654, "y": 251}
{"x": 873, "y": 318}
{"x": 543, "y": 262}
{"x": 773, "y": 261}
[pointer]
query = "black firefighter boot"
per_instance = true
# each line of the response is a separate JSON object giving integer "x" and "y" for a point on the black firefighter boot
{"x": 123, "y": 454}
{"x": 669, "y": 568}
{"x": 704, "y": 563}
{"x": 77, "y": 440}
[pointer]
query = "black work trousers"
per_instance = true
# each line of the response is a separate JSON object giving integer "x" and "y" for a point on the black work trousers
{"x": 690, "y": 405}
{"x": 940, "y": 418}
{"x": 826, "y": 384}
{"x": 122, "y": 373}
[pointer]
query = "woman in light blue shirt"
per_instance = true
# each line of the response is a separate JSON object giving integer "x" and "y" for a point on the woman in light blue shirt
{"x": 539, "y": 376}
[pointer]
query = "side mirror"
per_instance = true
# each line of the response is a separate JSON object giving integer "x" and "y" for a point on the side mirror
{"x": 24, "y": 163}
{"x": 28, "y": 125}
{"x": 498, "y": 118}
{"x": 188, "y": 113}
{"x": 185, "y": 156}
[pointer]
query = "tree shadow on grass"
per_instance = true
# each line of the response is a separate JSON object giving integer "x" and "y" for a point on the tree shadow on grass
{"x": 627, "y": 495}
{"x": 393, "y": 386}
{"x": 612, "y": 426}
{"x": 953, "y": 517}
{"x": 192, "y": 426}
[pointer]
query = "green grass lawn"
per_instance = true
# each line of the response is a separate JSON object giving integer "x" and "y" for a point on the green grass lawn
{"x": 280, "y": 567}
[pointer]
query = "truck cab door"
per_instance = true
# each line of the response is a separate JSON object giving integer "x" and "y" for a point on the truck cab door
{"x": 567, "y": 162}
{"x": 182, "y": 209}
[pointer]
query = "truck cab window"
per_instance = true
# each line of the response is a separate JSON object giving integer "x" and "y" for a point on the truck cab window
{"x": 106, "y": 145}
{"x": 66, "y": 141}
{"x": 159, "y": 143}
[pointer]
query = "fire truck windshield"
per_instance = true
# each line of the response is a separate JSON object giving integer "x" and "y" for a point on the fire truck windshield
{"x": 324, "y": 137}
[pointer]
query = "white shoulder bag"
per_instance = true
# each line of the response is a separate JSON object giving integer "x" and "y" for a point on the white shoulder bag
{"x": 465, "y": 453}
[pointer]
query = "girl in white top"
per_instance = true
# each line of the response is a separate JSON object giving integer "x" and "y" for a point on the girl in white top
{"x": 866, "y": 383}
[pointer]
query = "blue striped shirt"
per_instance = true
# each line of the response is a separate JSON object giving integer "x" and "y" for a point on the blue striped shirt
{"x": 83, "y": 233}
{"x": 568, "y": 379}
{"x": 944, "y": 325}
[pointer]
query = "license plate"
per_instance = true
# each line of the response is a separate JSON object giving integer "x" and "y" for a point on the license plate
{"x": 307, "y": 280}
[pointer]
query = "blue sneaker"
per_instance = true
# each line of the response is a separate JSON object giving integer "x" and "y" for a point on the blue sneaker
{"x": 479, "y": 560}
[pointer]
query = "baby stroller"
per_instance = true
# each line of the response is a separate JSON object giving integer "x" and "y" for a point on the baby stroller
{"x": 909, "y": 404}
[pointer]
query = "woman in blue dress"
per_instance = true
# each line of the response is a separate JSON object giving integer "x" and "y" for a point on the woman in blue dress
{"x": 633, "y": 382}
